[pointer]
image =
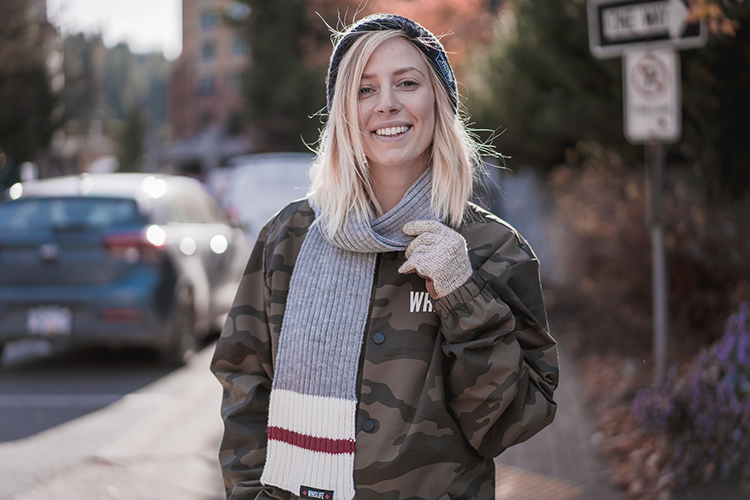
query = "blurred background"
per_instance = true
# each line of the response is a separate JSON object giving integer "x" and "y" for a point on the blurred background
{"x": 199, "y": 87}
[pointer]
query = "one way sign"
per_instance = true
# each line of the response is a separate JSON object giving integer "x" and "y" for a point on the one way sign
{"x": 616, "y": 25}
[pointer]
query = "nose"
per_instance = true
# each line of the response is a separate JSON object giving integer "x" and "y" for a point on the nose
{"x": 388, "y": 102}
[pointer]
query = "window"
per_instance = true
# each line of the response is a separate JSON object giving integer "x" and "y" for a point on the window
{"x": 235, "y": 80}
{"x": 208, "y": 208}
{"x": 234, "y": 124}
{"x": 239, "y": 46}
{"x": 185, "y": 210}
{"x": 206, "y": 120}
{"x": 207, "y": 54}
{"x": 195, "y": 206}
{"x": 209, "y": 20}
{"x": 67, "y": 214}
{"x": 206, "y": 86}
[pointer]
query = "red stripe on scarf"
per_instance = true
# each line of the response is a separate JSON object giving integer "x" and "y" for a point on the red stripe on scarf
{"x": 312, "y": 443}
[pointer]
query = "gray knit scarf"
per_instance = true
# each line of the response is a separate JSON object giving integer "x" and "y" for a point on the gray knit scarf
{"x": 312, "y": 413}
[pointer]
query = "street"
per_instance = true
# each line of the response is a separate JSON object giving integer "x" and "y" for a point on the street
{"x": 96, "y": 425}
{"x": 40, "y": 389}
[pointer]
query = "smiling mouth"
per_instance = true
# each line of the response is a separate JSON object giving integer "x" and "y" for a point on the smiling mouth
{"x": 392, "y": 131}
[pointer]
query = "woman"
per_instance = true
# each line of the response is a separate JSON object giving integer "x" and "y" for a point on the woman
{"x": 388, "y": 338}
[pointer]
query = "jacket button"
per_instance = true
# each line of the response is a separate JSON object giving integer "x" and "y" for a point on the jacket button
{"x": 378, "y": 338}
{"x": 368, "y": 425}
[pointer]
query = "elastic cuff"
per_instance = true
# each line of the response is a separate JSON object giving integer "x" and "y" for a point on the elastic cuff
{"x": 460, "y": 296}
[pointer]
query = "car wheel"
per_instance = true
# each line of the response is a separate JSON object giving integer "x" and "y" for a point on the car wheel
{"x": 183, "y": 343}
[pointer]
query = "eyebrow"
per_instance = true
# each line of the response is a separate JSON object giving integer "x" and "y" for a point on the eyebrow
{"x": 398, "y": 72}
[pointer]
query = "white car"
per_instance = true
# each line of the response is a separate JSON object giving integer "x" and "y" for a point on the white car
{"x": 252, "y": 188}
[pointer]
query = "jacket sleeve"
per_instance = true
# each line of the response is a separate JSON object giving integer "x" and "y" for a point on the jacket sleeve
{"x": 242, "y": 363}
{"x": 502, "y": 360}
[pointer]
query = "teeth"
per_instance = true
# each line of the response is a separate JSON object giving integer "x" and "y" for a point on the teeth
{"x": 391, "y": 130}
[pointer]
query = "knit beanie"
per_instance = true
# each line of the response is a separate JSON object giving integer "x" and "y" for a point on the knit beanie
{"x": 417, "y": 34}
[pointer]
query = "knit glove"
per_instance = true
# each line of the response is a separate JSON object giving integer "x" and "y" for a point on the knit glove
{"x": 438, "y": 254}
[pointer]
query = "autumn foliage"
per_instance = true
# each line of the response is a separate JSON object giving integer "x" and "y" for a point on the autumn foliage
{"x": 721, "y": 15}
{"x": 461, "y": 26}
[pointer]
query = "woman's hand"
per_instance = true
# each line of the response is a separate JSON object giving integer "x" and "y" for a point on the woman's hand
{"x": 438, "y": 254}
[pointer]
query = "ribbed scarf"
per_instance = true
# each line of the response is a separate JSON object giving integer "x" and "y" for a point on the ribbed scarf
{"x": 312, "y": 412}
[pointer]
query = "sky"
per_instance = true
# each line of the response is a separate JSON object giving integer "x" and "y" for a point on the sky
{"x": 145, "y": 25}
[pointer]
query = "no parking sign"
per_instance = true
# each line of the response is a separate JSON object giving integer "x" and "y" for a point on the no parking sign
{"x": 651, "y": 81}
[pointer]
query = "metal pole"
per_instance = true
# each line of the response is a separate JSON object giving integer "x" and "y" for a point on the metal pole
{"x": 655, "y": 165}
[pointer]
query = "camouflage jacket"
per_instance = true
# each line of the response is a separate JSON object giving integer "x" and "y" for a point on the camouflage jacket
{"x": 444, "y": 387}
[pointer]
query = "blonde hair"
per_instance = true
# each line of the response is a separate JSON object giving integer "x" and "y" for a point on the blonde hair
{"x": 342, "y": 186}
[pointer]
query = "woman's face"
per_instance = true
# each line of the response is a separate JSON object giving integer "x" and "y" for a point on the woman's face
{"x": 396, "y": 107}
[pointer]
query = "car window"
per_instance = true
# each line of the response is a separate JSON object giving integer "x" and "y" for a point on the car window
{"x": 210, "y": 208}
{"x": 194, "y": 207}
{"x": 185, "y": 208}
{"x": 67, "y": 214}
{"x": 171, "y": 211}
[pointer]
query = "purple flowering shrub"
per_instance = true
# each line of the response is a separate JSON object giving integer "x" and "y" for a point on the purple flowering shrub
{"x": 705, "y": 413}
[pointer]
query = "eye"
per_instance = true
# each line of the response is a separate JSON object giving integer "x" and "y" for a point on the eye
{"x": 363, "y": 91}
{"x": 409, "y": 84}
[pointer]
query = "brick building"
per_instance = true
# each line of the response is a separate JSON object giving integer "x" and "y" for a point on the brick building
{"x": 205, "y": 105}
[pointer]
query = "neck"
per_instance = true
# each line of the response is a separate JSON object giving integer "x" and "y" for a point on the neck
{"x": 389, "y": 184}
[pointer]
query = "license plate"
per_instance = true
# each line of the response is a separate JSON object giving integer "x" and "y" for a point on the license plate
{"x": 49, "y": 321}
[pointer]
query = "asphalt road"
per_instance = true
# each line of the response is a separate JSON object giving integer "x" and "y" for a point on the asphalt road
{"x": 95, "y": 426}
{"x": 41, "y": 389}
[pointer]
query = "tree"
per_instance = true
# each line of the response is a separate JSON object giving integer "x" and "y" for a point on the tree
{"x": 135, "y": 80}
{"x": 463, "y": 26}
{"x": 27, "y": 102}
{"x": 131, "y": 143}
{"x": 720, "y": 15}
{"x": 106, "y": 82}
{"x": 716, "y": 101}
{"x": 539, "y": 87}
{"x": 82, "y": 65}
{"x": 285, "y": 83}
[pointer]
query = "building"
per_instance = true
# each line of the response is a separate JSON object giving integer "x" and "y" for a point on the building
{"x": 205, "y": 105}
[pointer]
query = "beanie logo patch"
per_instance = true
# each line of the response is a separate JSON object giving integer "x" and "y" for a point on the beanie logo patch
{"x": 307, "y": 492}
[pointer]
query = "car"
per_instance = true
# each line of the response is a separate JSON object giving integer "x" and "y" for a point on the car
{"x": 117, "y": 260}
{"x": 254, "y": 187}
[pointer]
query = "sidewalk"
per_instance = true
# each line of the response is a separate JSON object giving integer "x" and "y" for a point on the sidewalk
{"x": 157, "y": 443}
{"x": 162, "y": 441}
{"x": 562, "y": 461}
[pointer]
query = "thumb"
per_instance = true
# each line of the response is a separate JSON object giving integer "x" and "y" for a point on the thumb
{"x": 407, "y": 268}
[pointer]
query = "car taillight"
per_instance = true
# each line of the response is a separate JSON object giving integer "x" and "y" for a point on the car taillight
{"x": 133, "y": 247}
{"x": 121, "y": 315}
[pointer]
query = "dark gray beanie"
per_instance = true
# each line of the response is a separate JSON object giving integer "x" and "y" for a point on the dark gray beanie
{"x": 417, "y": 34}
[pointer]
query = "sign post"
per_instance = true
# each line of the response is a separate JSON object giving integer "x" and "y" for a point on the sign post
{"x": 660, "y": 305}
{"x": 646, "y": 33}
{"x": 653, "y": 117}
